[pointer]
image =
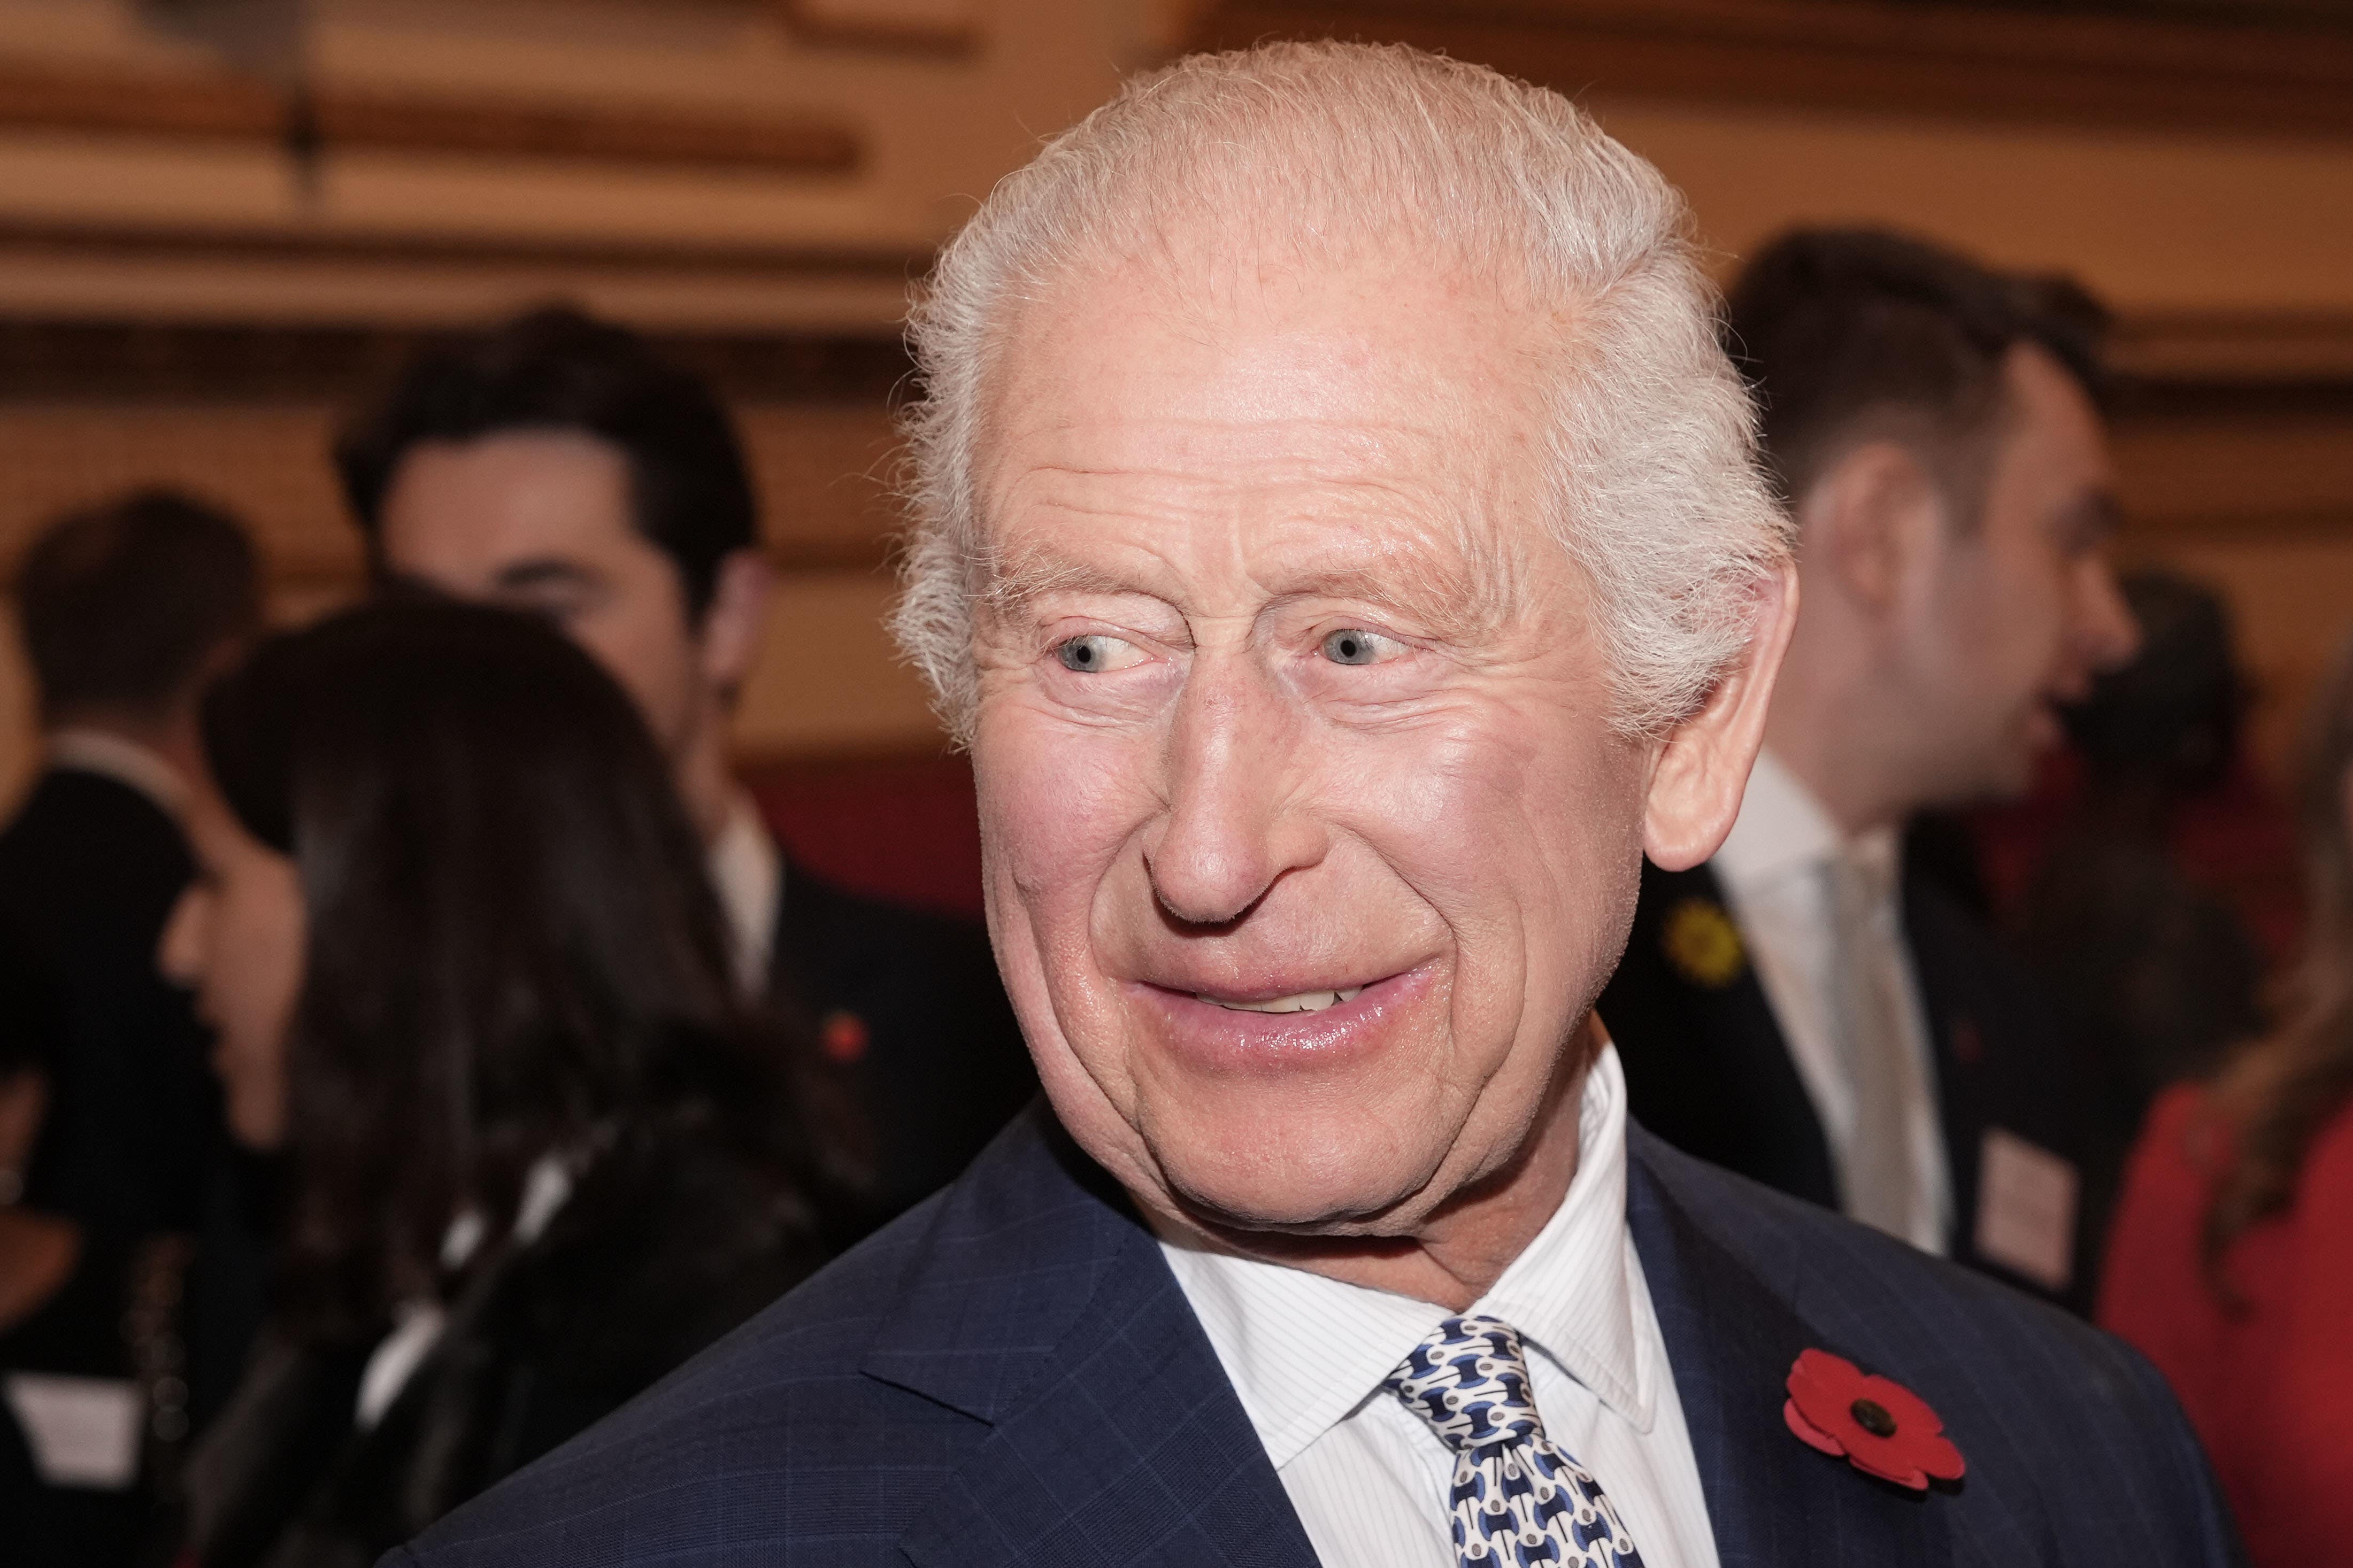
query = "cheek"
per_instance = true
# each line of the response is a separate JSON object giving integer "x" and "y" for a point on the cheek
{"x": 642, "y": 646}
{"x": 256, "y": 973}
{"x": 1058, "y": 799}
{"x": 1058, "y": 803}
{"x": 1519, "y": 825}
{"x": 2014, "y": 606}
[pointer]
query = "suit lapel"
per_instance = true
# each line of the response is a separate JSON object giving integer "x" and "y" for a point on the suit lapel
{"x": 1956, "y": 1053}
{"x": 1044, "y": 1309}
{"x": 1731, "y": 1337}
{"x": 1707, "y": 1064}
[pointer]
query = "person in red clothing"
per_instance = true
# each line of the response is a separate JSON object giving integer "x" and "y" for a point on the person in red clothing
{"x": 2230, "y": 1264}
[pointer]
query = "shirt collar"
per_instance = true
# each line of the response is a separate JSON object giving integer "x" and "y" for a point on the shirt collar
{"x": 1781, "y": 827}
{"x": 1303, "y": 1351}
{"x": 1570, "y": 1293}
{"x": 748, "y": 872}
{"x": 124, "y": 761}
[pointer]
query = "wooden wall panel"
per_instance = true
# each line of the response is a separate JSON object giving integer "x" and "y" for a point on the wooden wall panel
{"x": 2239, "y": 474}
{"x": 950, "y": 28}
{"x": 824, "y": 473}
{"x": 267, "y": 463}
{"x": 215, "y": 105}
{"x": 1986, "y": 62}
{"x": 820, "y": 471}
{"x": 830, "y": 682}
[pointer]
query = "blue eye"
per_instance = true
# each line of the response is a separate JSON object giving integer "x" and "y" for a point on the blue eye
{"x": 1352, "y": 645}
{"x": 1089, "y": 655}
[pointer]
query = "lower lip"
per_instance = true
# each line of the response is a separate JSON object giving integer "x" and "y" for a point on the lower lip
{"x": 1227, "y": 1040}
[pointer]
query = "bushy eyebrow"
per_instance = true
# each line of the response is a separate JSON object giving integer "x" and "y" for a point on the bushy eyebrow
{"x": 1454, "y": 604}
{"x": 1457, "y": 602}
{"x": 1011, "y": 582}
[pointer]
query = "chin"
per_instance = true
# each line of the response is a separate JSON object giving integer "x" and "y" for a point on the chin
{"x": 1996, "y": 772}
{"x": 1261, "y": 1161}
{"x": 2012, "y": 779}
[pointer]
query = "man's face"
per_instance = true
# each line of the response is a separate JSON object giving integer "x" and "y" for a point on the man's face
{"x": 2023, "y": 611}
{"x": 541, "y": 522}
{"x": 1308, "y": 840}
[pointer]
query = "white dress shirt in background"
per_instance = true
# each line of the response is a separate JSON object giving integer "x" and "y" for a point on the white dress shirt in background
{"x": 126, "y": 762}
{"x": 1369, "y": 1480}
{"x": 748, "y": 870}
{"x": 1776, "y": 869}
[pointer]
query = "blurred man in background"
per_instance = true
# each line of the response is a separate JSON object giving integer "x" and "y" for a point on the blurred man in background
{"x": 557, "y": 464}
{"x": 1798, "y": 1008}
{"x": 126, "y": 610}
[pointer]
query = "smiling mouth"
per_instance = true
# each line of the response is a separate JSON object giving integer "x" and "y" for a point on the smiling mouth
{"x": 1299, "y": 1001}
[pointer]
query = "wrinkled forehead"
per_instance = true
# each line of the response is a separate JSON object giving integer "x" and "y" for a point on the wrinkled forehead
{"x": 1379, "y": 416}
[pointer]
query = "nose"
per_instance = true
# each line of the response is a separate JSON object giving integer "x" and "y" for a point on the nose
{"x": 1237, "y": 753}
{"x": 180, "y": 951}
{"x": 2106, "y": 631}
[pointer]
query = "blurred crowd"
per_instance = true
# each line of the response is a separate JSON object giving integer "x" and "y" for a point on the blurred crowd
{"x": 414, "y": 1043}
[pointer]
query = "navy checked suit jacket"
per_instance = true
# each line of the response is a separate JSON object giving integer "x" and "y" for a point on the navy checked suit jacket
{"x": 1010, "y": 1374}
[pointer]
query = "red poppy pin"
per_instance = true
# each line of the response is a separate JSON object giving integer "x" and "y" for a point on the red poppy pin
{"x": 1880, "y": 1427}
{"x": 842, "y": 1037}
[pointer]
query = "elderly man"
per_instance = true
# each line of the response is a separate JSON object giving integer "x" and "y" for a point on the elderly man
{"x": 1341, "y": 543}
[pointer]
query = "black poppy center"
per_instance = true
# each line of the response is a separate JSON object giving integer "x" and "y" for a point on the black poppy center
{"x": 1872, "y": 1417}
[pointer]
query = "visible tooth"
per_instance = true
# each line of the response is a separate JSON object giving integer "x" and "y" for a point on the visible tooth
{"x": 1305, "y": 1001}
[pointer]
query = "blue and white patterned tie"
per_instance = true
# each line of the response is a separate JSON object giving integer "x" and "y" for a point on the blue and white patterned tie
{"x": 1518, "y": 1497}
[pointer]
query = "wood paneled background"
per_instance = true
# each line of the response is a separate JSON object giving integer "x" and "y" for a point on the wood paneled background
{"x": 218, "y": 230}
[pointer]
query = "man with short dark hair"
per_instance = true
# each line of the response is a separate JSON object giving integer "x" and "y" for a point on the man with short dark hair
{"x": 1802, "y": 1007}
{"x": 556, "y": 463}
{"x": 126, "y": 609}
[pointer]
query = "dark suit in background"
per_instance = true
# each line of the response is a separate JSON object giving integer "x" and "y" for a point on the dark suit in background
{"x": 908, "y": 1005}
{"x": 1708, "y": 1068}
{"x": 133, "y": 1143}
{"x": 1011, "y": 1374}
{"x": 90, "y": 870}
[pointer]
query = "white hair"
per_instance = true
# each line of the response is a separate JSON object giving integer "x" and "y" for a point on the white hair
{"x": 1334, "y": 151}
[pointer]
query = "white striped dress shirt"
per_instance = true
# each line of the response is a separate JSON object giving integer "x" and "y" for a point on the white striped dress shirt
{"x": 1369, "y": 1480}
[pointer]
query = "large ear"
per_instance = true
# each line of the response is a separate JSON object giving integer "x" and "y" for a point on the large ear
{"x": 1702, "y": 768}
{"x": 1868, "y": 521}
{"x": 735, "y": 619}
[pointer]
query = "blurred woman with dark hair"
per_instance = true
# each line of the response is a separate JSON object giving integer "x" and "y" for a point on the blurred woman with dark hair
{"x": 454, "y": 934}
{"x": 2232, "y": 1261}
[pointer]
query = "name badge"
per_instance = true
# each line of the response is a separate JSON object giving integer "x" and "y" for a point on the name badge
{"x": 2026, "y": 1209}
{"x": 84, "y": 1431}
